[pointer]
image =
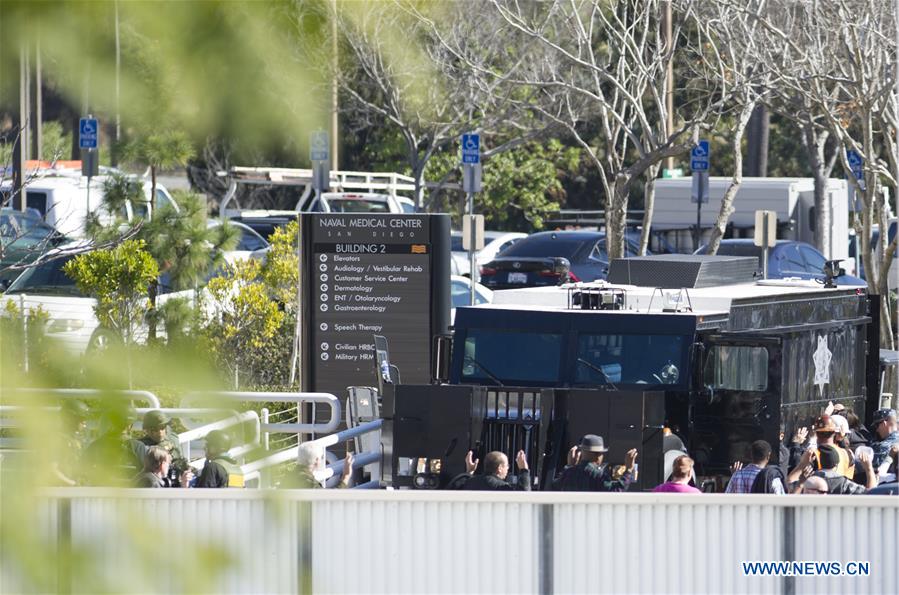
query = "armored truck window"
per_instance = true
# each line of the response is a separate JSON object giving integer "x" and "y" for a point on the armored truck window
{"x": 629, "y": 359}
{"x": 737, "y": 367}
{"x": 509, "y": 358}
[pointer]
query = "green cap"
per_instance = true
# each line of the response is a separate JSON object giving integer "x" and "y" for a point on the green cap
{"x": 155, "y": 419}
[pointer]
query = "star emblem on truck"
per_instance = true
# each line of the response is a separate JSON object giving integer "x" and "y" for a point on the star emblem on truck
{"x": 822, "y": 357}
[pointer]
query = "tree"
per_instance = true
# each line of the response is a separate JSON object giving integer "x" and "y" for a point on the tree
{"x": 118, "y": 278}
{"x": 603, "y": 67}
{"x": 159, "y": 151}
{"x": 406, "y": 70}
{"x": 846, "y": 74}
{"x": 728, "y": 49}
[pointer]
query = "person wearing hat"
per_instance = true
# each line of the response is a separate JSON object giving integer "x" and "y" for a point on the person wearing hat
{"x": 825, "y": 435}
{"x": 220, "y": 470}
{"x": 157, "y": 432}
{"x": 586, "y": 471}
{"x": 837, "y": 483}
{"x": 884, "y": 426}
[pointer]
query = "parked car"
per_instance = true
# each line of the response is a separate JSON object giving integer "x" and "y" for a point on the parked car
{"x": 495, "y": 242}
{"x": 264, "y": 222}
{"x": 72, "y": 320}
{"x": 787, "y": 258}
{"x": 551, "y": 258}
{"x": 460, "y": 293}
{"x": 249, "y": 245}
{"x": 23, "y": 238}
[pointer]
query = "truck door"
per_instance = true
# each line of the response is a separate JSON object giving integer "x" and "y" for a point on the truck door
{"x": 738, "y": 401}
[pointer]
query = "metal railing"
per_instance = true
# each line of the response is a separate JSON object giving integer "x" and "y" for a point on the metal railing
{"x": 255, "y": 469}
{"x": 279, "y": 397}
{"x": 75, "y": 393}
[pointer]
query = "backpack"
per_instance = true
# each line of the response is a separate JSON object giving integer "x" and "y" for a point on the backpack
{"x": 764, "y": 481}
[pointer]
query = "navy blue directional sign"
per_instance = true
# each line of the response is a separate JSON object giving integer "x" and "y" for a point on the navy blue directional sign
{"x": 88, "y": 133}
{"x": 699, "y": 156}
{"x": 856, "y": 163}
{"x": 471, "y": 148}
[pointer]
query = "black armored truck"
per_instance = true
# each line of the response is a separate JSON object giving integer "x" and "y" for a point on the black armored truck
{"x": 695, "y": 343}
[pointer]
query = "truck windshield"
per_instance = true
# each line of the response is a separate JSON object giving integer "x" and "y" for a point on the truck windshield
{"x": 512, "y": 358}
{"x": 357, "y": 205}
{"x": 630, "y": 359}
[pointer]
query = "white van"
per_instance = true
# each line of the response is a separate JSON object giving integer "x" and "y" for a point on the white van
{"x": 62, "y": 198}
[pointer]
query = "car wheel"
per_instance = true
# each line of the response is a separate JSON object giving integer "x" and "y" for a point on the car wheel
{"x": 102, "y": 340}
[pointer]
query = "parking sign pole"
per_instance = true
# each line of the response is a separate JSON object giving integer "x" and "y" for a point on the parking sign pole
{"x": 700, "y": 181}
{"x": 471, "y": 246}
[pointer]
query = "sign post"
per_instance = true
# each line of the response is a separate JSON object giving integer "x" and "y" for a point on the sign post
{"x": 699, "y": 163}
{"x": 88, "y": 137}
{"x": 320, "y": 155}
{"x": 765, "y": 235}
{"x": 857, "y": 165}
{"x": 471, "y": 173}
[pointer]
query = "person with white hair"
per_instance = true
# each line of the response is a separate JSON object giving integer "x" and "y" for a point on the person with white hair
{"x": 311, "y": 467}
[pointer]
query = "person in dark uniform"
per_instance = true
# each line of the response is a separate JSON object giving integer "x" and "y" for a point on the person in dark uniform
{"x": 220, "y": 470}
{"x": 586, "y": 471}
{"x": 157, "y": 430}
{"x": 114, "y": 458}
{"x": 496, "y": 469}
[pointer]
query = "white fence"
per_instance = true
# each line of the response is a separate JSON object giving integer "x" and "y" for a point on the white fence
{"x": 453, "y": 542}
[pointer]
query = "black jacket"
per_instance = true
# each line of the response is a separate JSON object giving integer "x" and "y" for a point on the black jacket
{"x": 494, "y": 483}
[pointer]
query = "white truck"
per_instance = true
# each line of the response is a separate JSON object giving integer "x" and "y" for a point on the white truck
{"x": 351, "y": 191}
{"x": 62, "y": 197}
{"x": 793, "y": 199}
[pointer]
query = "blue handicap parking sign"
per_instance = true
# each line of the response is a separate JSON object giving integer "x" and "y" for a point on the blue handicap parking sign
{"x": 471, "y": 148}
{"x": 88, "y": 133}
{"x": 699, "y": 156}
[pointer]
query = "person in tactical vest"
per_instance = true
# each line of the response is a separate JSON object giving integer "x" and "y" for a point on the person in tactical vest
{"x": 220, "y": 470}
{"x": 586, "y": 471}
{"x": 158, "y": 432}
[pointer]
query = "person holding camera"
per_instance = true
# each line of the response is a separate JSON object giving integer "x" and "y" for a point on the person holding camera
{"x": 157, "y": 463}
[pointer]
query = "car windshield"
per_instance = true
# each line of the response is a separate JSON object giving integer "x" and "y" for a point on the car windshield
{"x": 250, "y": 240}
{"x": 47, "y": 278}
{"x": 357, "y": 205}
{"x": 456, "y": 243}
{"x": 548, "y": 245}
{"x": 512, "y": 358}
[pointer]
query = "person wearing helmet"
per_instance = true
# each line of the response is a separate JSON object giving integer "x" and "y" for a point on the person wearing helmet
{"x": 158, "y": 432}
{"x": 220, "y": 470}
